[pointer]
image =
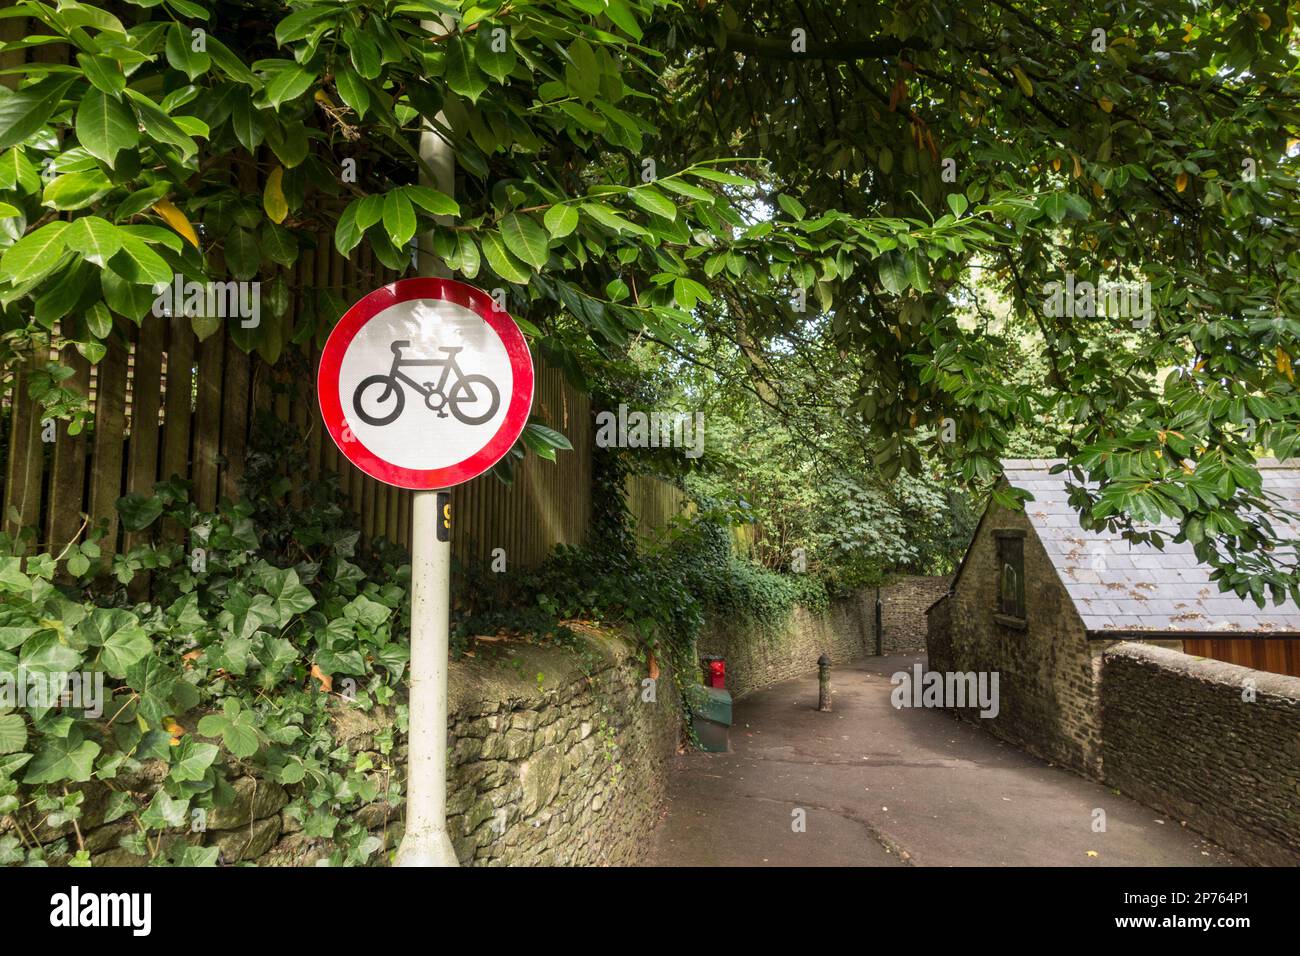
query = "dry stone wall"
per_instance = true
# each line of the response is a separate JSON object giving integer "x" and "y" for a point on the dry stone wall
{"x": 557, "y": 757}
{"x": 757, "y": 657}
{"x": 1212, "y": 744}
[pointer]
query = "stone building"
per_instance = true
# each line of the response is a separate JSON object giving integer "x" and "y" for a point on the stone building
{"x": 1040, "y": 600}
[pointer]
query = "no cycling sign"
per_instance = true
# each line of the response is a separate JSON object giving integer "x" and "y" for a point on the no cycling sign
{"x": 425, "y": 383}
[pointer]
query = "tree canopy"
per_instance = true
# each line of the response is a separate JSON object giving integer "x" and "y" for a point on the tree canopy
{"x": 813, "y": 193}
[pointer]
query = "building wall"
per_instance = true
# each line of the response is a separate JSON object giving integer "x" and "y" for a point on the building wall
{"x": 1046, "y": 672}
{"x": 1180, "y": 737}
{"x": 757, "y": 657}
{"x": 902, "y": 614}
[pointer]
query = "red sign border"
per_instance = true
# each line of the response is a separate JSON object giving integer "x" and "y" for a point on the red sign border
{"x": 404, "y": 290}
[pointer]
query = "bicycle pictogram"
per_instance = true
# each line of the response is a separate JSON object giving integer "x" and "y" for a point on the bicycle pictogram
{"x": 464, "y": 401}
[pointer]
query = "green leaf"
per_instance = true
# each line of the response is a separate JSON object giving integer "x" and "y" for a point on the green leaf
{"x": 653, "y": 201}
{"x": 35, "y": 254}
{"x": 70, "y": 758}
{"x": 499, "y": 258}
{"x": 95, "y": 239}
{"x": 103, "y": 72}
{"x": 461, "y": 74}
{"x": 76, "y": 190}
{"x": 288, "y": 83}
{"x": 561, "y": 220}
{"x": 139, "y": 511}
{"x": 99, "y": 320}
{"x": 243, "y": 257}
{"x": 13, "y": 733}
{"x": 191, "y": 760}
{"x": 347, "y": 233}
{"x": 1055, "y": 205}
{"x": 399, "y": 218}
{"x": 278, "y": 244}
{"x": 893, "y": 270}
{"x": 431, "y": 200}
{"x": 791, "y": 205}
{"x": 526, "y": 239}
{"x": 136, "y": 262}
{"x": 165, "y": 811}
{"x": 351, "y": 90}
{"x": 25, "y": 112}
{"x": 159, "y": 125}
{"x": 182, "y": 55}
{"x": 497, "y": 64}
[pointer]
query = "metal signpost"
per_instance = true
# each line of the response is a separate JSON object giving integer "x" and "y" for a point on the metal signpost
{"x": 424, "y": 384}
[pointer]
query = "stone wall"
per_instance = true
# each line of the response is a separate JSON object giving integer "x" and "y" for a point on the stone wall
{"x": 556, "y": 759}
{"x": 1179, "y": 737}
{"x": 758, "y": 657}
{"x": 903, "y": 602}
{"x": 1047, "y": 669}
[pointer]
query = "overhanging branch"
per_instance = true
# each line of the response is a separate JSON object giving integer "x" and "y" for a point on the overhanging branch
{"x": 782, "y": 47}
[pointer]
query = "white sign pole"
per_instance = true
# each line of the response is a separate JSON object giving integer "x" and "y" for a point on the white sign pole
{"x": 426, "y": 842}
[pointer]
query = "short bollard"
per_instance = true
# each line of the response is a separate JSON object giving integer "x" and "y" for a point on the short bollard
{"x": 824, "y": 683}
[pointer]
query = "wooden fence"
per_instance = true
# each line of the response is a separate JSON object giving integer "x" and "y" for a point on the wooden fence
{"x": 167, "y": 404}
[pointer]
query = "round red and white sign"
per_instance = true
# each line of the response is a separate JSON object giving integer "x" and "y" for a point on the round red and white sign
{"x": 425, "y": 383}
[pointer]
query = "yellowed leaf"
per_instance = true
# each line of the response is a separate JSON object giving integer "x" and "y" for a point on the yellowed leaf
{"x": 1106, "y": 104}
{"x": 1026, "y": 86}
{"x": 1283, "y": 361}
{"x": 1181, "y": 182}
{"x": 326, "y": 681}
{"x": 176, "y": 219}
{"x": 273, "y": 201}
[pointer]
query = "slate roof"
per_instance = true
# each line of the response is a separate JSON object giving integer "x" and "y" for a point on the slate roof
{"x": 1118, "y": 586}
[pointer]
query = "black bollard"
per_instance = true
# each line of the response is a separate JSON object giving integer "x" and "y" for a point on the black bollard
{"x": 824, "y": 683}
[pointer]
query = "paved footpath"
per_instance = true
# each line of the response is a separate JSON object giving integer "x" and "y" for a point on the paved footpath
{"x": 880, "y": 786}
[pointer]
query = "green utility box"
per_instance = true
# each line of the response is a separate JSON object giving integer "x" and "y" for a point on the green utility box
{"x": 712, "y": 719}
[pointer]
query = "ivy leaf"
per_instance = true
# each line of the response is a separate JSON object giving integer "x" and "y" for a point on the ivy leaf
{"x": 139, "y": 511}
{"x": 526, "y": 239}
{"x": 104, "y": 126}
{"x": 235, "y": 727}
{"x": 120, "y": 637}
{"x": 13, "y": 733}
{"x": 69, "y": 758}
{"x": 288, "y": 594}
{"x": 191, "y": 760}
{"x": 165, "y": 811}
